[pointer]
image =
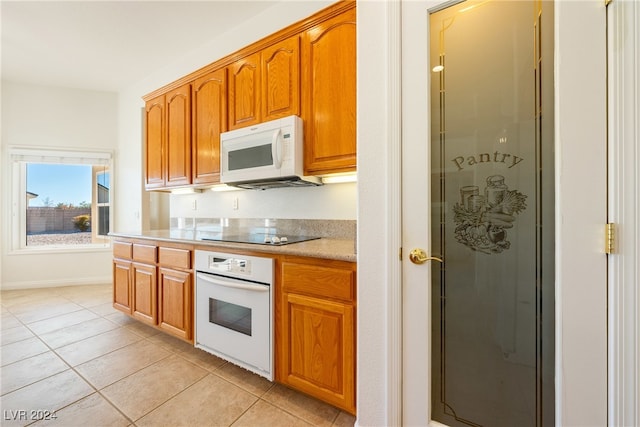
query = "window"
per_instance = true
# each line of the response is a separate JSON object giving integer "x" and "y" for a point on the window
{"x": 61, "y": 199}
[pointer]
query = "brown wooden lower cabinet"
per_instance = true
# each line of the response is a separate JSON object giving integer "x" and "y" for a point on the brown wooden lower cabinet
{"x": 175, "y": 301}
{"x": 144, "y": 306}
{"x": 315, "y": 312}
{"x": 122, "y": 285}
{"x": 147, "y": 289}
{"x": 316, "y": 330}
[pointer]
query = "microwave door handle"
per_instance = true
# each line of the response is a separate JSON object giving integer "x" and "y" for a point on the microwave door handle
{"x": 221, "y": 282}
{"x": 276, "y": 149}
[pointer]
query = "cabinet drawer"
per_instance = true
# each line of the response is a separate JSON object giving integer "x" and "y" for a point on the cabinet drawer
{"x": 122, "y": 250}
{"x": 321, "y": 281}
{"x": 178, "y": 258}
{"x": 144, "y": 253}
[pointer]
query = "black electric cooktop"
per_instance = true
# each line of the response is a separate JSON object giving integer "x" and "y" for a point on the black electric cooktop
{"x": 259, "y": 239}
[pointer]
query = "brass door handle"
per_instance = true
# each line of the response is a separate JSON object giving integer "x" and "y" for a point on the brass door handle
{"x": 419, "y": 256}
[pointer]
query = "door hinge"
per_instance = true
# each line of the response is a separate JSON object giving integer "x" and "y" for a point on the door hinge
{"x": 610, "y": 238}
{"x": 400, "y": 253}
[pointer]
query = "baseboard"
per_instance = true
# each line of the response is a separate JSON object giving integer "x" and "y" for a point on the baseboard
{"x": 76, "y": 281}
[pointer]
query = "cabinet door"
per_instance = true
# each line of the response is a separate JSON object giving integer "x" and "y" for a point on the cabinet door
{"x": 154, "y": 143}
{"x": 329, "y": 95}
{"x": 178, "y": 158}
{"x": 145, "y": 303}
{"x": 317, "y": 349}
{"x": 122, "y": 285}
{"x": 175, "y": 303}
{"x": 209, "y": 121}
{"x": 244, "y": 92}
{"x": 281, "y": 79}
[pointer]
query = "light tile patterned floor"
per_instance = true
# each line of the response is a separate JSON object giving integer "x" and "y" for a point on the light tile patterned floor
{"x": 65, "y": 352}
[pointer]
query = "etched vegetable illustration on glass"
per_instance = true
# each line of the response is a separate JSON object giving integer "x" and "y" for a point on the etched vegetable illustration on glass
{"x": 482, "y": 220}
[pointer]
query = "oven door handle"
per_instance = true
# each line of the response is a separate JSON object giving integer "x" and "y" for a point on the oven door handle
{"x": 221, "y": 282}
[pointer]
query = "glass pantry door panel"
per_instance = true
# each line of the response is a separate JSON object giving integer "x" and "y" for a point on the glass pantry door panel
{"x": 492, "y": 213}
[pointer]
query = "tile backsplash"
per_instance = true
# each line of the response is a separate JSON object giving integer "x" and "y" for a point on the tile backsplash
{"x": 336, "y": 229}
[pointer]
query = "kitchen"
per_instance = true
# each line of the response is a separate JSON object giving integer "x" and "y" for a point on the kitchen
{"x": 330, "y": 211}
{"x": 137, "y": 208}
{"x": 282, "y": 112}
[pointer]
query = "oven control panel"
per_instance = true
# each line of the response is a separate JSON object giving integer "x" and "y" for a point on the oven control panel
{"x": 244, "y": 267}
{"x": 229, "y": 265}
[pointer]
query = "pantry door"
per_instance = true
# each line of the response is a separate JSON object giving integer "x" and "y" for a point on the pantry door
{"x": 504, "y": 206}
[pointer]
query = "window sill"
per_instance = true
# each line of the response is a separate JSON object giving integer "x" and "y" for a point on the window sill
{"x": 61, "y": 249}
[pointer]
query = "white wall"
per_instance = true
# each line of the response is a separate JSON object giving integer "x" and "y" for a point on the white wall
{"x": 375, "y": 191}
{"x": 330, "y": 201}
{"x": 52, "y": 117}
{"x": 132, "y": 202}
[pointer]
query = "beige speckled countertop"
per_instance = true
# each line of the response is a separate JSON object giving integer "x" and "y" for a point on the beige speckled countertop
{"x": 327, "y": 248}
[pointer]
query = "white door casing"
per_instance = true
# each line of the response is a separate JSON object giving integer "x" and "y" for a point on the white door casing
{"x": 580, "y": 77}
{"x": 624, "y": 211}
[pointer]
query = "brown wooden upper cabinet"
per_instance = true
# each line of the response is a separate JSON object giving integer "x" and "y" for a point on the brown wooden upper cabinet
{"x": 329, "y": 95}
{"x": 244, "y": 92}
{"x": 183, "y": 133}
{"x": 168, "y": 139}
{"x": 307, "y": 69}
{"x": 154, "y": 143}
{"x": 179, "y": 136}
{"x": 209, "y": 120}
{"x": 266, "y": 85}
{"x": 281, "y": 79}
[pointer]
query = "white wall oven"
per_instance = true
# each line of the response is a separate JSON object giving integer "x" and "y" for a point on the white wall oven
{"x": 234, "y": 309}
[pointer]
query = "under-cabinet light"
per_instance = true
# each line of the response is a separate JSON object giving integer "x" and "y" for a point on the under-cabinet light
{"x": 186, "y": 191}
{"x": 340, "y": 178}
{"x": 224, "y": 187}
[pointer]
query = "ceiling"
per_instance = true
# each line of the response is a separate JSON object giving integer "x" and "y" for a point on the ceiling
{"x": 107, "y": 45}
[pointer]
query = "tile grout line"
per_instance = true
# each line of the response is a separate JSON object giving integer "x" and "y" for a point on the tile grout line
{"x": 57, "y": 355}
{"x": 215, "y": 373}
{"x": 275, "y": 405}
{"x": 143, "y": 338}
{"x": 98, "y": 391}
{"x": 167, "y": 346}
{"x": 56, "y": 295}
{"x": 25, "y": 324}
{"x": 259, "y": 397}
{"x": 72, "y": 369}
{"x": 171, "y": 397}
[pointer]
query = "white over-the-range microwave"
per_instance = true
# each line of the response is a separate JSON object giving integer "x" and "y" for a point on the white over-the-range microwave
{"x": 268, "y": 155}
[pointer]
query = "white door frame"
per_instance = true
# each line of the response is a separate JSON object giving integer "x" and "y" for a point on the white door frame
{"x": 581, "y": 274}
{"x": 624, "y": 211}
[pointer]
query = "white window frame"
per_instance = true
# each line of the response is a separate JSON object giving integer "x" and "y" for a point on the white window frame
{"x": 96, "y": 204}
{"x": 19, "y": 157}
